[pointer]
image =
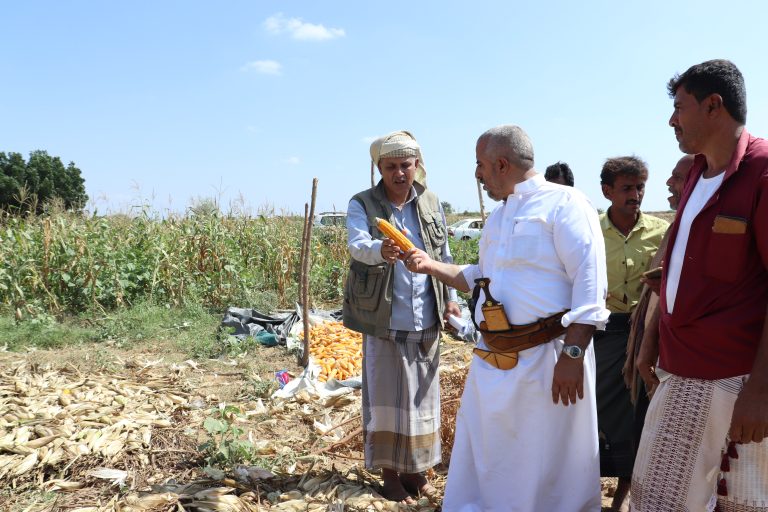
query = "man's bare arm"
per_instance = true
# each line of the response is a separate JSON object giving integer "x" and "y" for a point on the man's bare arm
{"x": 645, "y": 362}
{"x": 568, "y": 379}
{"x": 749, "y": 421}
{"x": 419, "y": 261}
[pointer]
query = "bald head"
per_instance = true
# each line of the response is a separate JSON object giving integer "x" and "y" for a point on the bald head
{"x": 510, "y": 142}
{"x": 677, "y": 180}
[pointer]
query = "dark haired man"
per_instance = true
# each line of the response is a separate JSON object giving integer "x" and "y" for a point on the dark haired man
{"x": 703, "y": 444}
{"x": 631, "y": 240}
{"x": 559, "y": 173}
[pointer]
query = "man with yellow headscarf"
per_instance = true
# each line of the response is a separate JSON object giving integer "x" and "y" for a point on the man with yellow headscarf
{"x": 401, "y": 315}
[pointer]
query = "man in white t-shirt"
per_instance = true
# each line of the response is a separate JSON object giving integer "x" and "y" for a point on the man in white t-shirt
{"x": 703, "y": 443}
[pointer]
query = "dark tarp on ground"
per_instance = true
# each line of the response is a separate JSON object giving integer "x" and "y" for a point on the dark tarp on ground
{"x": 243, "y": 322}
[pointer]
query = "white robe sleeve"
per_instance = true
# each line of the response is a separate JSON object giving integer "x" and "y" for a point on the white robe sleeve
{"x": 580, "y": 246}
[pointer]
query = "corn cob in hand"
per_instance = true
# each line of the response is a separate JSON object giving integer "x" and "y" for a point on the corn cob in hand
{"x": 390, "y": 231}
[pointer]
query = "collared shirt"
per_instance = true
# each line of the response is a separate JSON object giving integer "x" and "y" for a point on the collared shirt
{"x": 413, "y": 298}
{"x": 720, "y": 306}
{"x": 543, "y": 251}
{"x": 627, "y": 257}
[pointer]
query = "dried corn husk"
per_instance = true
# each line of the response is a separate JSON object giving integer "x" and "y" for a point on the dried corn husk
{"x": 52, "y": 417}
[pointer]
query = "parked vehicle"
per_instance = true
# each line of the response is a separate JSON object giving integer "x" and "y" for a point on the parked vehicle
{"x": 466, "y": 229}
{"x": 326, "y": 219}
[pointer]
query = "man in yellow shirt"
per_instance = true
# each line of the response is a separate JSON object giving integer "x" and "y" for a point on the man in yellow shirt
{"x": 631, "y": 240}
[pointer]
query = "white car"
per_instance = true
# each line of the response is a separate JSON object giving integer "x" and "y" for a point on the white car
{"x": 466, "y": 229}
{"x": 326, "y": 219}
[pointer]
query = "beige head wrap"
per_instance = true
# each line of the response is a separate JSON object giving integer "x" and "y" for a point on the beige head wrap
{"x": 399, "y": 145}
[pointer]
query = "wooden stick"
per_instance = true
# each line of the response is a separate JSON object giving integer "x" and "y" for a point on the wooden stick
{"x": 305, "y": 276}
{"x": 303, "y": 252}
{"x": 349, "y": 420}
{"x": 480, "y": 196}
{"x": 303, "y": 288}
{"x": 353, "y": 434}
{"x": 344, "y": 456}
{"x": 373, "y": 175}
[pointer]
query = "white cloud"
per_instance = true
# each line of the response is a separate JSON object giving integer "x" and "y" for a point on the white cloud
{"x": 301, "y": 30}
{"x": 292, "y": 160}
{"x": 368, "y": 140}
{"x": 266, "y": 67}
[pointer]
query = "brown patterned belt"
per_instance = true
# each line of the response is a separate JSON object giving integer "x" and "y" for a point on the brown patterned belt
{"x": 504, "y": 345}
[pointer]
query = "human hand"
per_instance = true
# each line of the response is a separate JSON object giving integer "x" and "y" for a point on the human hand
{"x": 645, "y": 362}
{"x": 653, "y": 283}
{"x": 417, "y": 261}
{"x": 749, "y": 422}
{"x": 568, "y": 380}
{"x": 390, "y": 251}
{"x": 451, "y": 308}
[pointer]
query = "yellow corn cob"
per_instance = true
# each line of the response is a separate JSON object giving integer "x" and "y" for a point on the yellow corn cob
{"x": 390, "y": 232}
{"x": 336, "y": 349}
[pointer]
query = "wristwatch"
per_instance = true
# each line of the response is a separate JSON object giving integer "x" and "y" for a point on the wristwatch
{"x": 573, "y": 351}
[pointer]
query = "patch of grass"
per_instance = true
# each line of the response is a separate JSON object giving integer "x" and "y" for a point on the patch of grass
{"x": 145, "y": 321}
{"x": 17, "y": 499}
{"x": 191, "y": 327}
{"x": 258, "y": 388}
{"x": 278, "y": 462}
{"x": 41, "y": 335}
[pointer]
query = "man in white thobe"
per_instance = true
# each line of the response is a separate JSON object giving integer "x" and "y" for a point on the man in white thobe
{"x": 526, "y": 437}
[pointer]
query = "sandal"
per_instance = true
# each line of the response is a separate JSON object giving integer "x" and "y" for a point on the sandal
{"x": 400, "y": 496}
{"x": 426, "y": 491}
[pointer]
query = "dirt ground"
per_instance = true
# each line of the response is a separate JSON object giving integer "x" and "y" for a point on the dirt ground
{"x": 311, "y": 445}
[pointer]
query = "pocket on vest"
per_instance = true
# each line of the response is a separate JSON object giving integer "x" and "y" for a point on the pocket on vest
{"x": 364, "y": 285}
{"x": 436, "y": 231}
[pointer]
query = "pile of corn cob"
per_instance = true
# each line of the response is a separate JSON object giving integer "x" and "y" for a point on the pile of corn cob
{"x": 337, "y": 350}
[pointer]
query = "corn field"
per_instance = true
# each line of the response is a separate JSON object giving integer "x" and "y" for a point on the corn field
{"x": 65, "y": 263}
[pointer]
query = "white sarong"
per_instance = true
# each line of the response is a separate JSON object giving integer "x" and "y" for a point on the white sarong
{"x": 678, "y": 464}
{"x": 515, "y": 450}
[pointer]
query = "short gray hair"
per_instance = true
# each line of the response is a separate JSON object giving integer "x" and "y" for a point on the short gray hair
{"x": 511, "y": 142}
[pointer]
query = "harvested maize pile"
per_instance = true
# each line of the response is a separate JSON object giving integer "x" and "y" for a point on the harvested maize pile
{"x": 337, "y": 350}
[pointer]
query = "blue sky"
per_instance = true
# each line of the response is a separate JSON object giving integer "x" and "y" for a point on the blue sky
{"x": 161, "y": 103}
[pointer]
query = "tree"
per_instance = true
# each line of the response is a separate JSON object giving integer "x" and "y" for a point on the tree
{"x": 447, "y": 208}
{"x": 26, "y": 186}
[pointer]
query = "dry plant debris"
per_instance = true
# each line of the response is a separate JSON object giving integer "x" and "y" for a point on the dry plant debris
{"x": 62, "y": 431}
{"x": 127, "y": 441}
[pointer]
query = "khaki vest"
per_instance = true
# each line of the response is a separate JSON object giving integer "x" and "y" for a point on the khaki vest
{"x": 368, "y": 292}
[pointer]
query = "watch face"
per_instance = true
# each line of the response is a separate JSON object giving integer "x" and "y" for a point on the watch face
{"x": 573, "y": 351}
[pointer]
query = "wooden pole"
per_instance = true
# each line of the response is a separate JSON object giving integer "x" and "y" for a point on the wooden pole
{"x": 373, "y": 175}
{"x": 305, "y": 227}
{"x": 480, "y": 196}
{"x": 305, "y": 273}
{"x": 302, "y": 295}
